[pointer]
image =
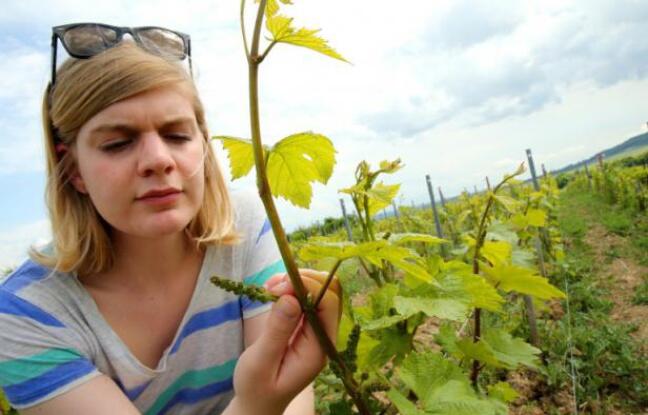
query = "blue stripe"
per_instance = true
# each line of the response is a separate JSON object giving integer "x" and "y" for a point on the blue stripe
{"x": 264, "y": 275}
{"x": 135, "y": 392}
{"x": 247, "y": 304}
{"x": 190, "y": 396}
{"x": 11, "y": 304}
{"x": 35, "y": 388}
{"x": 266, "y": 227}
{"x": 208, "y": 318}
{"x": 28, "y": 273}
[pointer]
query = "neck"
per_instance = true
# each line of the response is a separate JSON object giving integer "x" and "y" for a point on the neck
{"x": 149, "y": 263}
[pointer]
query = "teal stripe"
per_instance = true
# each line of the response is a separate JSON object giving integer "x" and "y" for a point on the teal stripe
{"x": 28, "y": 367}
{"x": 193, "y": 380}
{"x": 264, "y": 275}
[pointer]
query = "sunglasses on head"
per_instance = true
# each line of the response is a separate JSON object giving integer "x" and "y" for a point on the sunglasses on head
{"x": 85, "y": 40}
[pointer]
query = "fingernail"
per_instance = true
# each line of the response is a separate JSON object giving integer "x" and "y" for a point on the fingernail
{"x": 279, "y": 288}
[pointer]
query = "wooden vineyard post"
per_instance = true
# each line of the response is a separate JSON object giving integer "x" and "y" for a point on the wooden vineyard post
{"x": 437, "y": 222}
{"x": 599, "y": 158}
{"x": 488, "y": 186}
{"x": 397, "y": 214}
{"x": 346, "y": 220}
{"x": 528, "y": 301}
{"x": 443, "y": 202}
{"x": 544, "y": 171}
{"x": 587, "y": 173}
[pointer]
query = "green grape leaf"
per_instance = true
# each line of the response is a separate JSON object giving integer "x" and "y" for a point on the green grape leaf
{"x": 510, "y": 351}
{"x": 503, "y": 392}
{"x": 382, "y": 322}
{"x": 522, "y": 258}
{"x": 390, "y": 167}
{"x": 240, "y": 154}
{"x": 296, "y": 161}
{"x": 502, "y": 232}
{"x": 424, "y": 371}
{"x": 536, "y": 217}
{"x": 392, "y": 344}
{"x": 496, "y": 252}
{"x": 458, "y": 282}
{"x": 404, "y": 406}
{"x": 511, "y": 205}
{"x": 382, "y": 300}
{"x": 445, "y": 308}
{"x": 381, "y": 196}
{"x": 522, "y": 280}
{"x": 283, "y": 32}
{"x": 479, "y": 351}
{"x": 457, "y": 397}
{"x": 403, "y": 238}
{"x": 374, "y": 252}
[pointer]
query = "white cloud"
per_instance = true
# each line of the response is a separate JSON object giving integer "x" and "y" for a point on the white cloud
{"x": 457, "y": 89}
{"x": 15, "y": 242}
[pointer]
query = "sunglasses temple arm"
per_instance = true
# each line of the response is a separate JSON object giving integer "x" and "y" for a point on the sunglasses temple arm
{"x": 53, "y": 77}
{"x": 189, "y": 56}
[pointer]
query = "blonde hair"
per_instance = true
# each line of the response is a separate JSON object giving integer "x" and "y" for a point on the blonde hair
{"x": 81, "y": 240}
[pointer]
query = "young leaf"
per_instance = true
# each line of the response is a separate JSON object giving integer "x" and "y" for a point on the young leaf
{"x": 296, "y": 161}
{"x": 511, "y": 351}
{"x": 457, "y": 397}
{"x": 381, "y": 196}
{"x": 404, "y": 406}
{"x": 424, "y": 371}
{"x": 445, "y": 308}
{"x": 403, "y": 238}
{"x": 510, "y": 204}
{"x": 522, "y": 280}
{"x": 536, "y": 217}
{"x": 392, "y": 344}
{"x": 239, "y": 153}
{"x": 502, "y": 391}
{"x": 283, "y": 32}
{"x": 496, "y": 252}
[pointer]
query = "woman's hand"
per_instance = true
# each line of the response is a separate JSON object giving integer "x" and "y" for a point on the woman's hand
{"x": 287, "y": 356}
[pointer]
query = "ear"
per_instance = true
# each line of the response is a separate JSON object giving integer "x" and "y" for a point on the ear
{"x": 77, "y": 181}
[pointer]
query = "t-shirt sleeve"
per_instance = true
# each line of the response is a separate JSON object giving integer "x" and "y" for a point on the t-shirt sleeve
{"x": 39, "y": 355}
{"x": 262, "y": 259}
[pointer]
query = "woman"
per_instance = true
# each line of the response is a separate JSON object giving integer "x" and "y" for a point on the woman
{"x": 117, "y": 315}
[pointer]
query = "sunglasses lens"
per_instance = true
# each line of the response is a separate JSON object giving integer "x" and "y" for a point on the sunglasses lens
{"x": 162, "y": 42}
{"x": 88, "y": 40}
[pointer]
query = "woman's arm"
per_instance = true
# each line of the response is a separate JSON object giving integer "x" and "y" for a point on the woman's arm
{"x": 98, "y": 396}
{"x": 304, "y": 403}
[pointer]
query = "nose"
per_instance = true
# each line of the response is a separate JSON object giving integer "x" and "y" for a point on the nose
{"x": 154, "y": 156}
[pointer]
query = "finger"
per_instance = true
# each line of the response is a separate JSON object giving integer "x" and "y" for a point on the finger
{"x": 282, "y": 322}
{"x": 329, "y": 309}
{"x": 274, "y": 280}
{"x": 322, "y": 276}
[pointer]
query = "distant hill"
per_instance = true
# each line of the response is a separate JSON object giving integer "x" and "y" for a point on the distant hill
{"x": 632, "y": 145}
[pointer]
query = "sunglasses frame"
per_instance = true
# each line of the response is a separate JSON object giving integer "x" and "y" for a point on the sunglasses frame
{"x": 58, "y": 32}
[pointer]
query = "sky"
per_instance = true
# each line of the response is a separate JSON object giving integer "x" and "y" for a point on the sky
{"x": 456, "y": 89}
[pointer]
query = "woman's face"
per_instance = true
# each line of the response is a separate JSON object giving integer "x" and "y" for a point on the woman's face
{"x": 140, "y": 161}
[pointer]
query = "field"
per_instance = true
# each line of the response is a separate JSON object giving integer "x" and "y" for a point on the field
{"x": 515, "y": 300}
{"x": 593, "y": 342}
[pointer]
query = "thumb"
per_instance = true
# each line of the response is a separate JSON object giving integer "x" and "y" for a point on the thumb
{"x": 282, "y": 322}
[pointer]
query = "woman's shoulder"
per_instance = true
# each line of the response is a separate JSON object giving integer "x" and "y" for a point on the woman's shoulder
{"x": 37, "y": 289}
{"x": 249, "y": 215}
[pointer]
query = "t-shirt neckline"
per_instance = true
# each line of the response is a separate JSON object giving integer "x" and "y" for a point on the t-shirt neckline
{"x": 96, "y": 319}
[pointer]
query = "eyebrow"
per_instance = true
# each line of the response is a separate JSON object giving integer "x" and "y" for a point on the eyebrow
{"x": 131, "y": 130}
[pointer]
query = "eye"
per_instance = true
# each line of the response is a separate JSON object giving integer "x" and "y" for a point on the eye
{"x": 179, "y": 137}
{"x": 115, "y": 145}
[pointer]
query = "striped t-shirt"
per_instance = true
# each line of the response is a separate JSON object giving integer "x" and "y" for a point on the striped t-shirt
{"x": 53, "y": 337}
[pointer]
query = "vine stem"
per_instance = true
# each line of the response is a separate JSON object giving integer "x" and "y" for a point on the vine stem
{"x": 254, "y": 60}
{"x": 479, "y": 243}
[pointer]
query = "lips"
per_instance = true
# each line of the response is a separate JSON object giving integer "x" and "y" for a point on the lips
{"x": 159, "y": 193}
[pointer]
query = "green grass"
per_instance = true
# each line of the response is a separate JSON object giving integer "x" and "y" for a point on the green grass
{"x": 607, "y": 359}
